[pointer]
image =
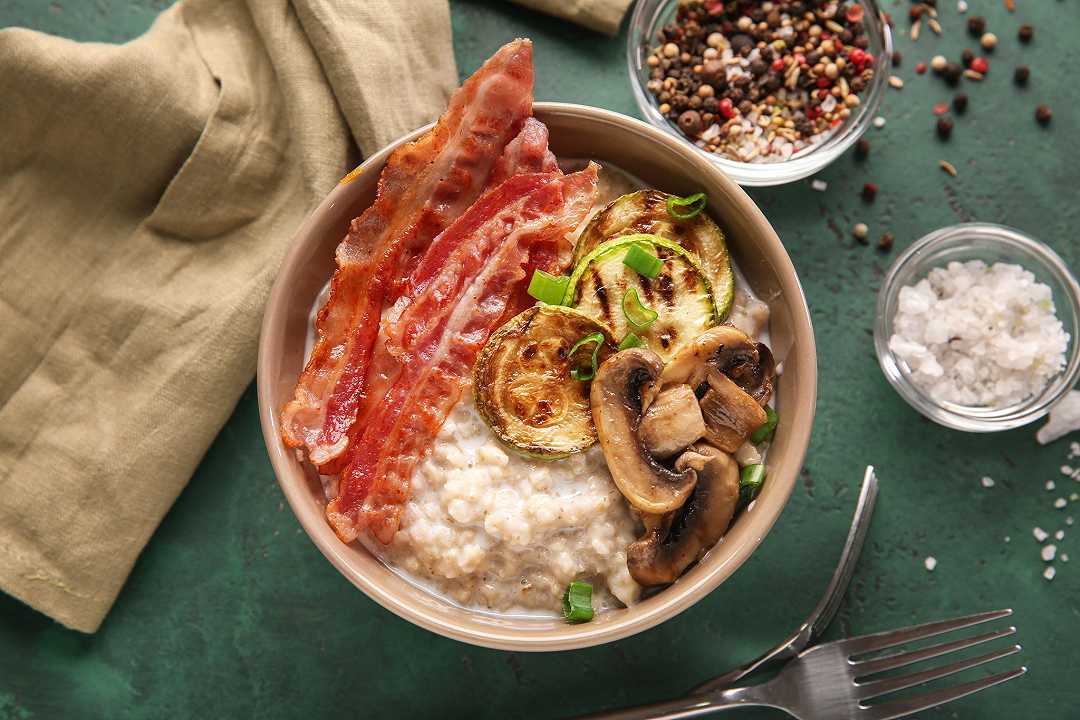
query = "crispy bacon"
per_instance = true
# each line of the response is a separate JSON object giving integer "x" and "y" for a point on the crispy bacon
{"x": 458, "y": 302}
{"x": 422, "y": 188}
{"x": 526, "y": 153}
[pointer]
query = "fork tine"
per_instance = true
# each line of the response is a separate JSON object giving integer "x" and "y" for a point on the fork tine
{"x": 887, "y": 685}
{"x": 903, "y": 708}
{"x": 865, "y": 668}
{"x": 882, "y": 640}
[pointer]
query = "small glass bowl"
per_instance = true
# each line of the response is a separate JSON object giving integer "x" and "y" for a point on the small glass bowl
{"x": 989, "y": 243}
{"x": 651, "y": 15}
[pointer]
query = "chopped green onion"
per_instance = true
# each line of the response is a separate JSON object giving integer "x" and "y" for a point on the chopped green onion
{"x": 751, "y": 478}
{"x": 637, "y": 314}
{"x": 548, "y": 288}
{"x": 684, "y": 208}
{"x": 589, "y": 373}
{"x": 765, "y": 432}
{"x": 577, "y": 602}
{"x": 642, "y": 261}
{"x": 630, "y": 341}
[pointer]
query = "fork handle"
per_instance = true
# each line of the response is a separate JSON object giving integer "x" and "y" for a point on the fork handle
{"x": 692, "y": 706}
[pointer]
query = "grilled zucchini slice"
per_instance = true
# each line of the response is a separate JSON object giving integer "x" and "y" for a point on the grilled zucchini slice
{"x": 523, "y": 387}
{"x": 680, "y": 294}
{"x": 645, "y": 211}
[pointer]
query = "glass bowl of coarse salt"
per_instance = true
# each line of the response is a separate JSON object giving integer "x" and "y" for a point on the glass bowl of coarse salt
{"x": 977, "y": 327}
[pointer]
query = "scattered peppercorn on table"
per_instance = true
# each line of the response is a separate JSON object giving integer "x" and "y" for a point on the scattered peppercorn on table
{"x": 235, "y": 614}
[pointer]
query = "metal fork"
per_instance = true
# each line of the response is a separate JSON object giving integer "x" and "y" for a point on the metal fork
{"x": 836, "y": 682}
{"x": 823, "y": 614}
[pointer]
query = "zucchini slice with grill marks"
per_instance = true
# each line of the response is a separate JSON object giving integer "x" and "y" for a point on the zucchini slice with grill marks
{"x": 645, "y": 211}
{"x": 680, "y": 294}
{"x": 523, "y": 387}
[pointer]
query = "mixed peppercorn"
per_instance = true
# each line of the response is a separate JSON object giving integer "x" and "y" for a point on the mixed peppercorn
{"x": 760, "y": 81}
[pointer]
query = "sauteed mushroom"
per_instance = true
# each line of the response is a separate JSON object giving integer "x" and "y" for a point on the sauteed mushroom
{"x": 672, "y": 423}
{"x": 616, "y": 400}
{"x": 733, "y": 375}
{"x": 663, "y": 553}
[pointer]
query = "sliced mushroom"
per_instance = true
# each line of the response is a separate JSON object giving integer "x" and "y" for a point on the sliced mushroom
{"x": 663, "y": 554}
{"x": 730, "y": 414}
{"x": 616, "y": 400}
{"x": 732, "y": 352}
{"x": 672, "y": 423}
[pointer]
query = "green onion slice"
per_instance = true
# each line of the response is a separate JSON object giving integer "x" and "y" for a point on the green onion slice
{"x": 577, "y": 602}
{"x": 548, "y": 288}
{"x": 684, "y": 208}
{"x": 637, "y": 314}
{"x": 589, "y": 373}
{"x": 642, "y": 261}
{"x": 765, "y": 432}
{"x": 751, "y": 478}
{"x": 630, "y": 341}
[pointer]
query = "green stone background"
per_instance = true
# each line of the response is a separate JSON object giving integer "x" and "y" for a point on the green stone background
{"x": 231, "y": 611}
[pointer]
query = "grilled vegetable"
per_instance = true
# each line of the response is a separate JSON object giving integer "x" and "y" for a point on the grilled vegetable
{"x": 646, "y": 211}
{"x": 523, "y": 384}
{"x": 679, "y": 294}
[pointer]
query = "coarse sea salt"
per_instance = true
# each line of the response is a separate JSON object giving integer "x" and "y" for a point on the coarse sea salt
{"x": 979, "y": 335}
{"x": 930, "y": 563}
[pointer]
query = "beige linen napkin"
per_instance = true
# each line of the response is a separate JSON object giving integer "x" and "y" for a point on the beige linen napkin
{"x": 147, "y": 194}
{"x": 602, "y": 15}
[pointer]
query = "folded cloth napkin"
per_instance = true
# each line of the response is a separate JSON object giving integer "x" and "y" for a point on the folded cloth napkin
{"x": 147, "y": 194}
{"x": 602, "y": 15}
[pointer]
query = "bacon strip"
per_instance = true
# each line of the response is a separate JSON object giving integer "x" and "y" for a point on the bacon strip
{"x": 459, "y": 302}
{"x": 422, "y": 188}
{"x": 526, "y": 153}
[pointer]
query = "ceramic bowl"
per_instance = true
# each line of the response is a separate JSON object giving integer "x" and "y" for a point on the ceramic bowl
{"x": 660, "y": 160}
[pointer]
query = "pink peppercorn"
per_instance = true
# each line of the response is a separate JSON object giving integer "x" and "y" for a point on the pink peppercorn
{"x": 857, "y": 56}
{"x": 727, "y": 109}
{"x": 941, "y": 109}
{"x": 980, "y": 65}
{"x": 920, "y": 68}
{"x": 778, "y": 64}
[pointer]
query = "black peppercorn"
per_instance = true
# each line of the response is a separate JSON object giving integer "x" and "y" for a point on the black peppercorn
{"x": 960, "y": 103}
{"x": 885, "y": 243}
{"x": 862, "y": 149}
{"x": 967, "y": 57}
{"x": 952, "y": 73}
{"x": 1025, "y": 33}
{"x": 1021, "y": 75}
{"x": 944, "y": 128}
{"x": 976, "y": 25}
{"x": 1043, "y": 115}
{"x": 897, "y": 58}
{"x": 869, "y": 192}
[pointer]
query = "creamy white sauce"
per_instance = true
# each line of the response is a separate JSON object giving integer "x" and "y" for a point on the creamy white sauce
{"x": 493, "y": 531}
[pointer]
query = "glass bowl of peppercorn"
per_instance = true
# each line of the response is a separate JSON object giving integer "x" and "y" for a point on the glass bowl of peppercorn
{"x": 771, "y": 91}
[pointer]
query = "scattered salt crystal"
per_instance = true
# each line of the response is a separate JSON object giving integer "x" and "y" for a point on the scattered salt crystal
{"x": 1074, "y": 497}
{"x": 1039, "y": 534}
{"x": 1066, "y": 470}
{"x": 961, "y": 6}
{"x": 819, "y": 185}
{"x": 979, "y": 335}
{"x": 987, "y": 481}
{"x": 1060, "y": 503}
{"x": 1050, "y": 485}
{"x": 1069, "y": 520}
{"x": 1064, "y": 557}
{"x": 1064, "y": 418}
{"x": 879, "y": 122}
{"x": 1074, "y": 450}
{"x": 1007, "y": 538}
{"x": 1048, "y": 552}
{"x": 1049, "y": 573}
{"x": 930, "y": 563}
{"x": 1059, "y": 535}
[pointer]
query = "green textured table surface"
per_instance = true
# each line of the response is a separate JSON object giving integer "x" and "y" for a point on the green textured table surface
{"x": 232, "y": 612}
